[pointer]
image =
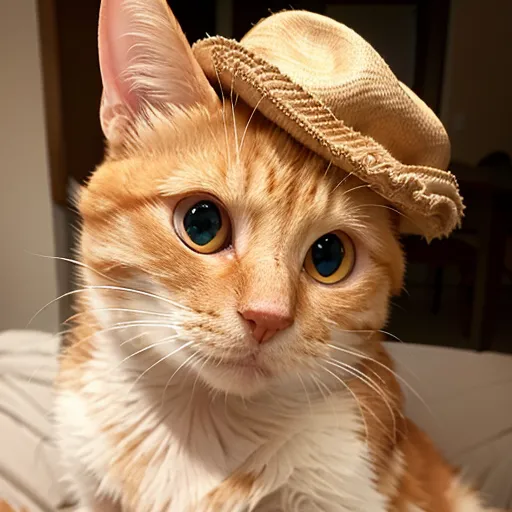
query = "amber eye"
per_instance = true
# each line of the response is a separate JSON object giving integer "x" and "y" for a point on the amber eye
{"x": 202, "y": 224}
{"x": 331, "y": 258}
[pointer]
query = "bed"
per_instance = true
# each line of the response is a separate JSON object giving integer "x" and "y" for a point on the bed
{"x": 466, "y": 407}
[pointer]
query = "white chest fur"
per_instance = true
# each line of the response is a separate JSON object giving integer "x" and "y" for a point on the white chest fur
{"x": 165, "y": 449}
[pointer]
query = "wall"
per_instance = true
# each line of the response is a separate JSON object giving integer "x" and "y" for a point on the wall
{"x": 477, "y": 102}
{"x": 27, "y": 282}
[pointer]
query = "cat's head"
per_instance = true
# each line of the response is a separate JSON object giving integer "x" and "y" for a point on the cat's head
{"x": 249, "y": 258}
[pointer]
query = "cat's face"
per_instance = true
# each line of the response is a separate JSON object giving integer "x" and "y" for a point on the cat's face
{"x": 250, "y": 257}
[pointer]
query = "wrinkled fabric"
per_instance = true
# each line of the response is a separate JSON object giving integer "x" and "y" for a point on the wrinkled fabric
{"x": 466, "y": 411}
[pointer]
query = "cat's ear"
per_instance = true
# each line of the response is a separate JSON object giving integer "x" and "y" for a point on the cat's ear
{"x": 145, "y": 59}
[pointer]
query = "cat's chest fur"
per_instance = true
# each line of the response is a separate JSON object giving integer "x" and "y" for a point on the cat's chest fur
{"x": 161, "y": 449}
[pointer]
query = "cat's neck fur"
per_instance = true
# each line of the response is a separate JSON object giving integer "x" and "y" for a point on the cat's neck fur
{"x": 153, "y": 430}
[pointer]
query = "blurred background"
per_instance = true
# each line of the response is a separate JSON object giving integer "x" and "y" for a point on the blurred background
{"x": 456, "y": 55}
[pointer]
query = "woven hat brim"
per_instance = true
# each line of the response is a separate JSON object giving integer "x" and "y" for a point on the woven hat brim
{"x": 428, "y": 198}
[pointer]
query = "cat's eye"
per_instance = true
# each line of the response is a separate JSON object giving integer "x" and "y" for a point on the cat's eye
{"x": 331, "y": 258}
{"x": 202, "y": 224}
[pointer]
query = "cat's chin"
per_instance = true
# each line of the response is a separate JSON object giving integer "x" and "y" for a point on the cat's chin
{"x": 244, "y": 378}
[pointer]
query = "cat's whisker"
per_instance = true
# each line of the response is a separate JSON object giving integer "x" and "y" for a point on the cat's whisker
{"x": 372, "y": 331}
{"x": 306, "y": 392}
{"x": 391, "y": 335}
{"x": 161, "y": 360}
{"x": 111, "y": 328}
{"x": 123, "y": 310}
{"x": 165, "y": 341}
{"x": 62, "y": 333}
{"x": 248, "y": 123}
{"x": 354, "y": 396}
{"x": 235, "y": 132}
{"x": 223, "y": 99}
{"x": 147, "y": 323}
{"x": 363, "y": 407}
{"x": 355, "y": 372}
{"x": 327, "y": 168}
{"x": 356, "y": 331}
{"x": 198, "y": 373}
{"x": 393, "y": 304}
{"x": 385, "y": 367}
{"x": 74, "y": 262}
{"x": 387, "y": 207}
{"x": 53, "y": 301}
{"x": 340, "y": 183}
{"x": 184, "y": 363}
{"x": 370, "y": 383}
{"x": 105, "y": 287}
{"x": 133, "y": 338}
{"x": 139, "y": 292}
{"x": 358, "y": 187}
{"x": 319, "y": 385}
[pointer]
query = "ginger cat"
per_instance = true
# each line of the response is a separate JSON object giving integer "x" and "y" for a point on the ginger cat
{"x": 226, "y": 354}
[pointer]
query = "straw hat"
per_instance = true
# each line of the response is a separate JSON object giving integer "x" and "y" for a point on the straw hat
{"x": 328, "y": 88}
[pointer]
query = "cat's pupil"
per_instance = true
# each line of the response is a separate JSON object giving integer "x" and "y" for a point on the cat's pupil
{"x": 327, "y": 254}
{"x": 202, "y": 222}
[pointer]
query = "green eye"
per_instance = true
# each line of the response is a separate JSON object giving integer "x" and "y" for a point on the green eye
{"x": 202, "y": 224}
{"x": 331, "y": 258}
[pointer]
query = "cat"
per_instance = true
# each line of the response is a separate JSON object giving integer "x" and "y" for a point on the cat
{"x": 226, "y": 353}
{"x": 6, "y": 507}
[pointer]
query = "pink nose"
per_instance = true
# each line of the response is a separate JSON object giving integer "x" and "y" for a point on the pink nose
{"x": 265, "y": 321}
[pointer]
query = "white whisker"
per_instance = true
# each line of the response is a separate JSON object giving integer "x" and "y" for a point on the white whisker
{"x": 354, "y": 396}
{"x": 355, "y": 331}
{"x": 223, "y": 99}
{"x": 106, "y": 287}
{"x": 162, "y": 359}
{"x": 165, "y": 341}
{"x": 318, "y": 382}
{"x": 249, "y": 122}
{"x": 75, "y": 262}
{"x": 184, "y": 363}
{"x": 133, "y": 338}
{"x": 370, "y": 383}
{"x": 147, "y": 323}
{"x": 346, "y": 192}
{"x": 205, "y": 362}
{"x": 115, "y": 327}
{"x": 305, "y": 391}
{"x": 387, "y": 207}
{"x": 124, "y": 310}
{"x": 327, "y": 168}
{"x": 235, "y": 132}
{"x": 341, "y": 183}
{"x": 362, "y": 355}
{"x": 139, "y": 292}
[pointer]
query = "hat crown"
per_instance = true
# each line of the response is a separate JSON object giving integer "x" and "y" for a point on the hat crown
{"x": 329, "y": 89}
{"x": 310, "y": 47}
{"x": 349, "y": 76}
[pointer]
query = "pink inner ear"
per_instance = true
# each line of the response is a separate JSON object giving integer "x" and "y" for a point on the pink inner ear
{"x": 145, "y": 59}
{"x": 114, "y": 44}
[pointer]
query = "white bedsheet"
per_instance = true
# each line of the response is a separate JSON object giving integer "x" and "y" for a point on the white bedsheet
{"x": 28, "y": 469}
{"x": 468, "y": 413}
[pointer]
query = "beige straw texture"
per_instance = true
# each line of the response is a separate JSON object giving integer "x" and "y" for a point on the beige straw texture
{"x": 328, "y": 88}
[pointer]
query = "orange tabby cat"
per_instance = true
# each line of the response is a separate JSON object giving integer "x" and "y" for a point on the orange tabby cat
{"x": 227, "y": 354}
